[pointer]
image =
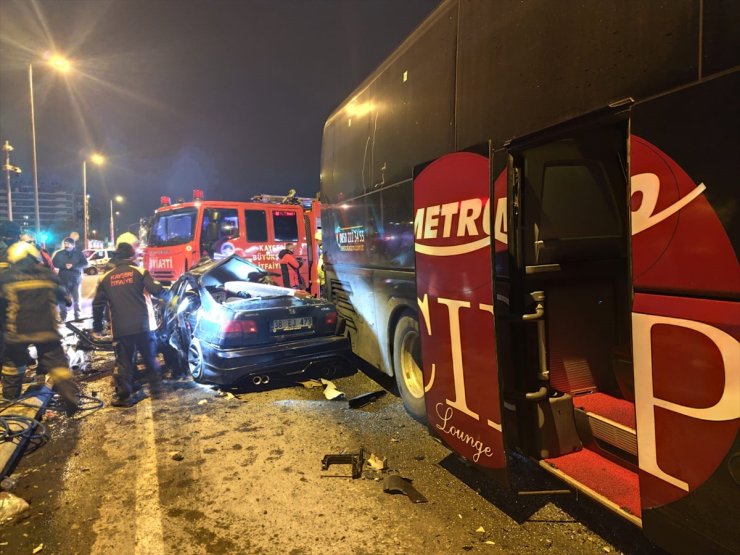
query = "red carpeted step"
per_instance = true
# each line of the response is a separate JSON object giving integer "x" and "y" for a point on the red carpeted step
{"x": 618, "y": 410}
{"x": 614, "y": 482}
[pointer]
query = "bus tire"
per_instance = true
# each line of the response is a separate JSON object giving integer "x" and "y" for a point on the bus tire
{"x": 407, "y": 366}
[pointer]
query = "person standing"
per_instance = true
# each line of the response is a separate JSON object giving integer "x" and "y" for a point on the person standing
{"x": 29, "y": 294}
{"x": 126, "y": 290}
{"x": 70, "y": 262}
{"x": 290, "y": 267}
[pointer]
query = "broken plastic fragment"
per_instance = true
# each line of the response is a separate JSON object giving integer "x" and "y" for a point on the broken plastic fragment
{"x": 330, "y": 391}
{"x": 11, "y": 506}
{"x": 365, "y": 398}
{"x": 481, "y": 530}
{"x": 308, "y": 384}
{"x": 377, "y": 463}
{"x": 397, "y": 484}
{"x": 203, "y": 402}
{"x": 38, "y": 548}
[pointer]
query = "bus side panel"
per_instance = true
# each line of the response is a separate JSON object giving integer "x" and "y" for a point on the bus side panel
{"x": 403, "y": 116}
{"x": 686, "y": 314}
{"x": 522, "y": 66}
{"x": 721, "y": 41}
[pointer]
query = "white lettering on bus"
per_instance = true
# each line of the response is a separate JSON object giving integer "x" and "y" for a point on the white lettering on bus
{"x": 467, "y": 212}
{"x": 447, "y": 428}
{"x": 648, "y": 184}
{"x": 458, "y": 367}
{"x": 726, "y": 408}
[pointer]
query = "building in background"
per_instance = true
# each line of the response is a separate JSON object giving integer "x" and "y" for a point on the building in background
{"x": 60, "y": 208}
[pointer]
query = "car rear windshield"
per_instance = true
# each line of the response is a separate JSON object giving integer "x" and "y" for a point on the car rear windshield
{"x": 173, "y": 227}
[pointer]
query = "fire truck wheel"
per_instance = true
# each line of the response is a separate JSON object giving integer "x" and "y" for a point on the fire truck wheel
{"x": 407, "y": 366}
{"x": 195, "y": 360}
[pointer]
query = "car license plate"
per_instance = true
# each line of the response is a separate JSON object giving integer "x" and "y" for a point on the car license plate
{"x": 292, "y": 324}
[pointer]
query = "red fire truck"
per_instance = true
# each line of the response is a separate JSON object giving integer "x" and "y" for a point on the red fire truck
{"x": 531, "y": 221}
{"x": 184, "y": 232}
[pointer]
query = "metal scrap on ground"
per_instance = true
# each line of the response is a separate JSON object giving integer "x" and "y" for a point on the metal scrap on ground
{"x": 357, "y": 460}
{"x": 398, "y": 484}
{"x": 365, "y": 398}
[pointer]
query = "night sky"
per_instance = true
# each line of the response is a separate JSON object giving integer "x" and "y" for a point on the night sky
{"x": 227, "y": 96}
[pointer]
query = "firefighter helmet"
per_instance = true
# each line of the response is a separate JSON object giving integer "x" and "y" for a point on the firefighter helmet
{"x": 20, "y": 250}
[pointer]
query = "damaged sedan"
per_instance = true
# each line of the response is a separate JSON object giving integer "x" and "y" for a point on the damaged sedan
{"x": 223, "y": 323}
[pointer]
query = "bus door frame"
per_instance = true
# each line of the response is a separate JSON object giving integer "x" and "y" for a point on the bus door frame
{"x": 540, "y": 423}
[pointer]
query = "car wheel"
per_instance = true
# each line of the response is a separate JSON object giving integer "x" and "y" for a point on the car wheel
{"x": 195, "y": 360}
{"x": 407, "y": 366}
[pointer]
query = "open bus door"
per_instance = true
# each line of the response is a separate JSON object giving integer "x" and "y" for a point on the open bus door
{"x": 455, "y": 298}
{"x": 641, "y": 404}
{"x": 570, "y": 382}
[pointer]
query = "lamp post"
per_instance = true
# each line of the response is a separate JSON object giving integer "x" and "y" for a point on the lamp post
{"x": 7, "y": 167}
{"x": 63, "y": 65}
{"x": 98, "y": 160}
{"x": 117, "y": 198}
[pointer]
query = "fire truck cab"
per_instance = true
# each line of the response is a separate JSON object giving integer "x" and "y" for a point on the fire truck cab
{"x": 184, "y": 232}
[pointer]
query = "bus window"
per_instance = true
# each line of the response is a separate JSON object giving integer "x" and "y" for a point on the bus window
{"x": 220, "y": 226}
{"x": 256, "y": 224}
{"x": 398, "y": 229}
{"x": 286, "y": 226}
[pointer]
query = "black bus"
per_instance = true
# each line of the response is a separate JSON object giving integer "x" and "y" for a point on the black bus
{"x": 531, "y": 220}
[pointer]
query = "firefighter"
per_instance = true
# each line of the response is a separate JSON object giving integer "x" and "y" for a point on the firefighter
{"x": 289, "y": 267}
{"x": 126, "y": 290}
{"x": 45, "y": 256}
{"x": 29, "y": 294}
{"x": 70, "y": 262}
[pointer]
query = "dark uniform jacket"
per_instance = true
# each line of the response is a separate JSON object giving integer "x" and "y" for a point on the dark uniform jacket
{"x": 127, "y": 290}
{"x": 76, "y": 258}
{"x": 29, "y": 295}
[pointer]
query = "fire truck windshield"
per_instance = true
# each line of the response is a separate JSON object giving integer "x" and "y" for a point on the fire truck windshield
{"x": 173, "y": 227}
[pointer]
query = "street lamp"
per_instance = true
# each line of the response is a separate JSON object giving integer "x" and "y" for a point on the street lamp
{"x": 62, "y": 65}
{"x": 119, "y": 199}
{"x": 7, "y": 167}
{"x": 98, "y": 160}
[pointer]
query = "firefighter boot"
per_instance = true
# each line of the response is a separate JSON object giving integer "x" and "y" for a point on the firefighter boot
{"x": 64, "y": 384}
{"x": 12, "y": 379}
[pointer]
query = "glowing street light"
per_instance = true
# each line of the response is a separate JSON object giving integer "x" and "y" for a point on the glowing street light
{"x": 119, "y": 199}
{"x": 62, "y": 65}
{"x": 98, "y": 160}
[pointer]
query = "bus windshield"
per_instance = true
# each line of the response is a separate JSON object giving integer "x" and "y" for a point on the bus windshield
{"x": 173, "y": 227}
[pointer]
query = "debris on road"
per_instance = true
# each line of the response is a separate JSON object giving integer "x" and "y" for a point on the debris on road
{"x": 330, "y": 391}
{"x": 203, "y": 402}
{"x": 177, "y": 456}
{"x": 481, "y": 530}
{"x": 357, "y": 460}
{"x": 38, "y": 548}
{"x": 365, "y": 398}
{"x": 377, "y": 463}
{"x": 11, "y": 506}
{"x": 227, "y": 394}
{"x": 398, "y": 484}
{"x": 309, "y": 384}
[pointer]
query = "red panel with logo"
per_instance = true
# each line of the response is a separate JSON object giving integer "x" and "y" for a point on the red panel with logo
{"x": 686, "y": 351}
{"x": 455, "y": 295}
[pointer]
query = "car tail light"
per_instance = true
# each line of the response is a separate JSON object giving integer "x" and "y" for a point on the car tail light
{"x": 331, "y": 318}
{"x": 239, "y": 327}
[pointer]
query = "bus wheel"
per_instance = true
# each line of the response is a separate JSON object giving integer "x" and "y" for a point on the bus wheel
{"x": 407, "y": 366}
{"x": 195, "y": 360}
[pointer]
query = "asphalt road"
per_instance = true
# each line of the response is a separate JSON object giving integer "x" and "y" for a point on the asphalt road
{"x": 194, "y": 472}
